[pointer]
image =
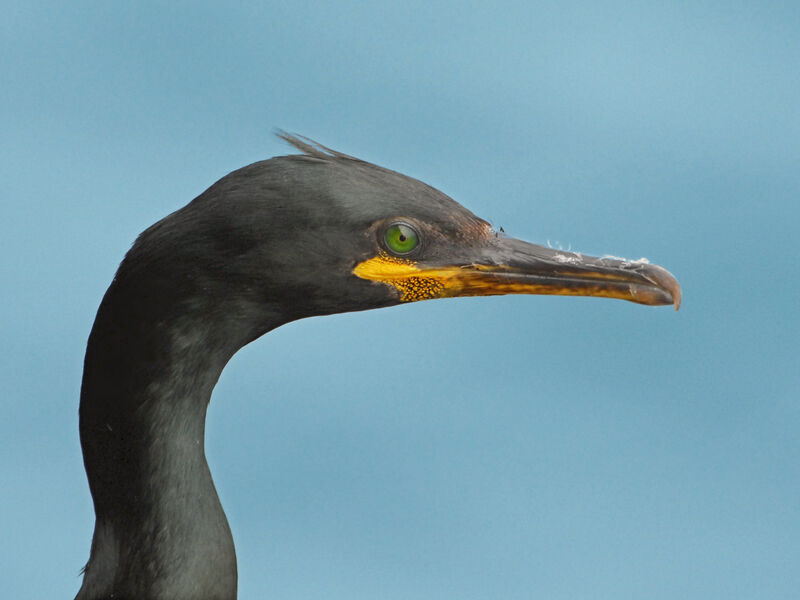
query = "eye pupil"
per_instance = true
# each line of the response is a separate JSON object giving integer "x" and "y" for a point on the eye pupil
{"x": 400, "y": 238}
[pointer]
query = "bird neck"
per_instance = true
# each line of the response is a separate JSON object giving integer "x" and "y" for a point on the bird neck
{"x": 160, "y": 530}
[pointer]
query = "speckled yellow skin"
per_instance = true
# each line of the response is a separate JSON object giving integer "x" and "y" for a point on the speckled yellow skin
{"x": 403, "y": 275}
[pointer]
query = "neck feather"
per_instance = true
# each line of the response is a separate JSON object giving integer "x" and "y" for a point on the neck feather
{"x": 160, "y": 530}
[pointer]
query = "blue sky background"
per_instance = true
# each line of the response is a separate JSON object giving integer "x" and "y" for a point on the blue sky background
{"x": 519, "y": 447}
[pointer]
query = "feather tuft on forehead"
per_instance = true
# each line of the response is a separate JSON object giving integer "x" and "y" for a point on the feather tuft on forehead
{"x": 312, "y": 148}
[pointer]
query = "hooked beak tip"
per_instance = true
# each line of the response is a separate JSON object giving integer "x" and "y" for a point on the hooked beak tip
{"x": 665, "y": 280}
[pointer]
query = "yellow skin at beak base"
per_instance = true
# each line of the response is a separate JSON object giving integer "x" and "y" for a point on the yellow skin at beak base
{"x": 403, "y": 274}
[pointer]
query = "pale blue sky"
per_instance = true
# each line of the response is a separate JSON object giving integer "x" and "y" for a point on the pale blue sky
{"x": 521, "y": 447}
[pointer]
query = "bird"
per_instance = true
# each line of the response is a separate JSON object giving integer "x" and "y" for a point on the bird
{"x": 312, "y": 233}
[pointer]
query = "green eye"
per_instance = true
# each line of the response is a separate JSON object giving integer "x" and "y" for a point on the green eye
{"x": 401, "y": 238}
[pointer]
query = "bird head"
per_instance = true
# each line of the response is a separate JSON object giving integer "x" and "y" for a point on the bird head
{"x": 322, "y": 232}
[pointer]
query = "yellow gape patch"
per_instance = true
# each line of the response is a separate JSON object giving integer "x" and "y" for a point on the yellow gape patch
{"x": 401, "y": 273}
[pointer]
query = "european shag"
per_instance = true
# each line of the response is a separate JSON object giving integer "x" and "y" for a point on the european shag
{"x": 295, "y": 236}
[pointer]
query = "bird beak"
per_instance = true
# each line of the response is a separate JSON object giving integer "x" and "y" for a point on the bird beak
{"x": 510, "y": 266}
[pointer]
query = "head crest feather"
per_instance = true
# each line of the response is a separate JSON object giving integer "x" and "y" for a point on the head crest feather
{"x": 312, "y": 148}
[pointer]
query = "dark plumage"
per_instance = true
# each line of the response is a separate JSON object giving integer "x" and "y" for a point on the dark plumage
{"x": 278, "y": 240}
